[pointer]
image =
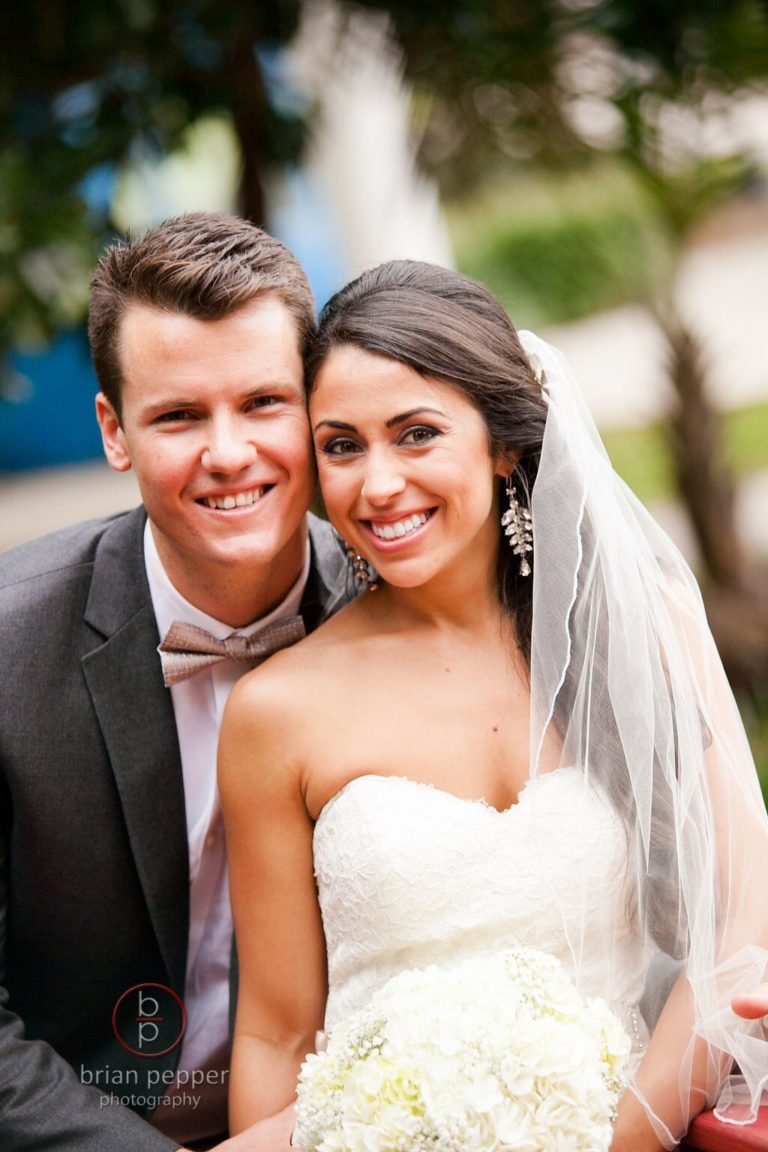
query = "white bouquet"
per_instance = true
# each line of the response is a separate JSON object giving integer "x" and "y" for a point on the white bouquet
{"x": 495, "y": 1053}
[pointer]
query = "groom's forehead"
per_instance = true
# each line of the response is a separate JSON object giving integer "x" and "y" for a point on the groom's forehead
{"x": 162, "y": 346}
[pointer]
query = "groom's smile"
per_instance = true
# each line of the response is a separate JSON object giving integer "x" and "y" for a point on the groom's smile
{"x": 230, "y": 501}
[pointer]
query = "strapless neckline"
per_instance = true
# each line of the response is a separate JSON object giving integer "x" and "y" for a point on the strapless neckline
{"x": 478, "y": 802}
{"x": 409, "y": 874}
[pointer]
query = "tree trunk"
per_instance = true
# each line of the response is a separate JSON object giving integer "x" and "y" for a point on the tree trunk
{"x": 250, "y": 111}
{"x": 734, "y": 586}
{"x": 695, "y": 432}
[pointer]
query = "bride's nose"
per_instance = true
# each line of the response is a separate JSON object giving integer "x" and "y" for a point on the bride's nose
{"x": 383, "y": 477}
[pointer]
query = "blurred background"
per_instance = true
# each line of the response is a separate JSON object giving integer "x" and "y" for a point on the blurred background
{"x": 601, "y": 164}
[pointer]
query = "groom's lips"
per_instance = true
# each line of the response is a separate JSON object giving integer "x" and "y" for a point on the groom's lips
{"x": 234, "y": 501}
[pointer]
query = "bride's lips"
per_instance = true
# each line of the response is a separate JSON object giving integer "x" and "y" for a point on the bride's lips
{"x": 396, "y": 531}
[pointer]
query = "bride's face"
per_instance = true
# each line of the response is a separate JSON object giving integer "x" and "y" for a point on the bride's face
{"x": 405, "y": 467}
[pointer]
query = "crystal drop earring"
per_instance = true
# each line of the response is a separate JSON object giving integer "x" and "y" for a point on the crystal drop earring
{"x": 518, "y": 526}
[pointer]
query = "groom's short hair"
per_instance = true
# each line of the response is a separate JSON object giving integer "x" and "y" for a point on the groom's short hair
{"x": 203, "y": 264}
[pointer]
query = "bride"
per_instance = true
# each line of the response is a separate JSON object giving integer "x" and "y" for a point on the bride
{"x": 520, "y": 734}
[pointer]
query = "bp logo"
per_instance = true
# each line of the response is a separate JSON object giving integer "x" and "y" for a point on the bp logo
{"x": 149, "y": 1020}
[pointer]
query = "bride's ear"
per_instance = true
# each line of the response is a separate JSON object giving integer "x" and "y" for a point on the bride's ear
{"x": 506, "y": 464}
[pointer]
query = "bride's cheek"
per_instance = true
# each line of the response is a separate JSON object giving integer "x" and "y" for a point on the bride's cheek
{"x": 336, "y": 490}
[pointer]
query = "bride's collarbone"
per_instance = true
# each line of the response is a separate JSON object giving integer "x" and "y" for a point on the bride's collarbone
{"x": 461, "y": 725}
{"x": 448, "y": 706}
{"x": 423, "y": 671}
{"x": 459, "y": 745}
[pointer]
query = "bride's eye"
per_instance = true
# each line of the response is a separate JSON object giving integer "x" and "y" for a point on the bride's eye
{"x": 419, "y": 434}
{"x": 339, "y": 446}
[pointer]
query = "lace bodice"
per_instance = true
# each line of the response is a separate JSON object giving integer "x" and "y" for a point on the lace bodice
{"x": 409, "y": 875}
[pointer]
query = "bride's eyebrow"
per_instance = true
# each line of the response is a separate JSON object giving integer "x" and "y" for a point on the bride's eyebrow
{"x": 339, "y": 425}
{"x": 342, "y": 426}
{"x": 395, "y": 420}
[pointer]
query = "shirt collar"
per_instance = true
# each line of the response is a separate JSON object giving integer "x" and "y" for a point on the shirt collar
{"x": 169, "y": 604}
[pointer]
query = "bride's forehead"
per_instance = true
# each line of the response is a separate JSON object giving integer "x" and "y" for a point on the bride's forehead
{"x": 350, "y": 360}
{"x": 365, "y": 381}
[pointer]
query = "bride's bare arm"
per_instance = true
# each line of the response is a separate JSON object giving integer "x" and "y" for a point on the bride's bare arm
{"x": 657, "y": 1080}
{"x": 278, "y": 929}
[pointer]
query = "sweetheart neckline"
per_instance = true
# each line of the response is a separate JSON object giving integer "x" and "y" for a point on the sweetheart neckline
{"x": 480, "y": 802}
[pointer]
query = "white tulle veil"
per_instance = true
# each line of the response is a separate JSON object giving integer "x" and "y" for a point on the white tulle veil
{"x": 626, "y": 683}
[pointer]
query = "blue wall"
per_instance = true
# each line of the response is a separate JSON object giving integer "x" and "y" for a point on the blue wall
{"x": 51, "y": 419}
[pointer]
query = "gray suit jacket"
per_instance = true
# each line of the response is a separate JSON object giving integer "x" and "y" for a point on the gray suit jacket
{"x": 92, "y": 828}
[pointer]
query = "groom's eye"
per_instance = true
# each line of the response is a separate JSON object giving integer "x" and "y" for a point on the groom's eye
{"x": 264, "y": 401}
{"x": 177, "y": 415}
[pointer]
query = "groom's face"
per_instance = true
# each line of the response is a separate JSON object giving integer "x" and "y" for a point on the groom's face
{"x": 214, "y": 424}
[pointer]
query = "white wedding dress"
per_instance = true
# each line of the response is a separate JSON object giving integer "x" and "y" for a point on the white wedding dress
{"x": 409, "y": 875}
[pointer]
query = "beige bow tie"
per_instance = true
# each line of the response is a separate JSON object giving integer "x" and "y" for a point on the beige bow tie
{"x": 186, "y": 649}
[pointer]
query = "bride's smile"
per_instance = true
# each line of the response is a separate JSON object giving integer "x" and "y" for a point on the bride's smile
{"x": 405, "y": 467}
{"x": 402, "y": 526}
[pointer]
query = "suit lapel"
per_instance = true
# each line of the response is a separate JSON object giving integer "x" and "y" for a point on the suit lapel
{"x": 135, "y": 713}
{"x": 134, "y": 710}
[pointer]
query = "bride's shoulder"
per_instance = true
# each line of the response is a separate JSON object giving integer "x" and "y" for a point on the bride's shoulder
{"x": 262, "y": 745}
{"x": 298, "y": 681}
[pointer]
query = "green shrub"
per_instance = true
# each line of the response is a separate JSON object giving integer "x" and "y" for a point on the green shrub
{"x": 555, "y": 249}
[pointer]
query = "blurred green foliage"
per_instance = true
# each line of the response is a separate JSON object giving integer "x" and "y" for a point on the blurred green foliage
{"x": 746, "y": 441}
{"x": 556, "y": 250}
{"x": 47, "y": 250}
{"x": 82, "y": 86}
{"x": 485, "y": 80}
{"x": 642, "y": 459}
{"x": 503, "y": 78}
{"x": 641, "y": 455}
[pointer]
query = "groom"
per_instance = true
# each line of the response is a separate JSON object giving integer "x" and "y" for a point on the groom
{"x": 116, "y": 950}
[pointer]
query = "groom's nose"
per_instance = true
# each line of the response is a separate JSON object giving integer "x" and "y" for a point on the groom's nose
{"x": 228, "y": 447}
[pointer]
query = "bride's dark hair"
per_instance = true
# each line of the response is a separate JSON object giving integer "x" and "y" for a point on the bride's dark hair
{"x": 450, "y": 328}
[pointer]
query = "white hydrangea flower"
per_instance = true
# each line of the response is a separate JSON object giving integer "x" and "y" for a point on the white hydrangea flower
{"x": 497, "y": 1052}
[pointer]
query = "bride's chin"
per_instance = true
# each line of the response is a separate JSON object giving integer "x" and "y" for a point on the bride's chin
{"x": 402, "y": 581}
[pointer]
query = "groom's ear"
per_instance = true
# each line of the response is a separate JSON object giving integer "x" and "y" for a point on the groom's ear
{"x": 112, "y": 435}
